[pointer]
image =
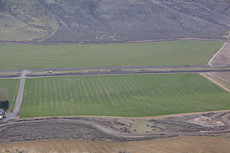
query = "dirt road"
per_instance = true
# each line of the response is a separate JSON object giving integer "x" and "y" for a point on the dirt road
{"x": 20, "y": 94}
{"x": 19, "y": 98}
{"x": 222, "y": 57}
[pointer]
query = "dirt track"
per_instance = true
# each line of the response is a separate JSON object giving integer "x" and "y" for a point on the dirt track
{"x": 223, "y": 57}
{"x": 19, "y": 98}
{"x": 208, "y": 76}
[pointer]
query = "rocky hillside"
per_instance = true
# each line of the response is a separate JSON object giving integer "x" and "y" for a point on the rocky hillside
{"x": 112, "y": 20}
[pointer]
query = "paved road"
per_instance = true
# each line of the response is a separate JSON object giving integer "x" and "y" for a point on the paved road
{"x": 126, "y": 70}
{"x": 124, "y": 73}
{"x": 117, "y": 67}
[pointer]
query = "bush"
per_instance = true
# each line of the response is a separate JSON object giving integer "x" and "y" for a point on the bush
{"x": 124, "y": 151}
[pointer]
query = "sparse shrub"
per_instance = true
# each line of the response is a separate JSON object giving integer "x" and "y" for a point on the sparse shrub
{"x": 124, "y": 151}
{"x": 30, "y": 150}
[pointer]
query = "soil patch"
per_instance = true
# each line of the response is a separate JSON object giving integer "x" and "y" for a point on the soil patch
{"x": 169, "y": 145}
{"x": 223, "y": 57}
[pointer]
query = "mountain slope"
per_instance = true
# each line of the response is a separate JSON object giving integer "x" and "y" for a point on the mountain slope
{"x": 25, "y": 20}
{"x": 121, "y": 20}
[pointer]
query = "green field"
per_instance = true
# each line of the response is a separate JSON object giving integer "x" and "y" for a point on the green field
{"x": 11, "y": 85}
{"x": 102, "y": 55}
{"x": 122, "y": 95}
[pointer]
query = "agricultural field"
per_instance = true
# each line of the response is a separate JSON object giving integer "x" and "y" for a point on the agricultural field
{"x": 107, "y": 55}
{"x": 122, "y": 95}
{"x": 11, "y": 85}
{"x": 169, "y": 145}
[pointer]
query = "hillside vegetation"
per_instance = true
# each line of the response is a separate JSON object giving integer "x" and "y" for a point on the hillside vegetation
{"x": 25, "y": 20}
{"x": 112, "y": 20}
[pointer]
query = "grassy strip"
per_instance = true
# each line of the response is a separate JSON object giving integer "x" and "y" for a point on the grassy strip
{"x": 11, "y": 85}
{"x": 103, "y": 55}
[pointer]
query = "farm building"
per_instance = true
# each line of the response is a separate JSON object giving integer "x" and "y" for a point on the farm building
{"x": 2, "y": 113}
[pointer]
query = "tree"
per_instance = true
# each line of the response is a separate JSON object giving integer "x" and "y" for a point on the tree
{"x": 4, "y": 99}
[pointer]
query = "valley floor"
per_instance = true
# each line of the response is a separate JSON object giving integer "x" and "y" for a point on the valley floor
{"x": 107, "y": 133}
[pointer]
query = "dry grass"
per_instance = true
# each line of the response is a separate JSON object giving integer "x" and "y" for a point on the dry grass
{"x": 179, "y": 144}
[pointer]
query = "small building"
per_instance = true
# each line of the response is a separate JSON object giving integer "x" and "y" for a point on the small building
{"x": 2, "y": 113}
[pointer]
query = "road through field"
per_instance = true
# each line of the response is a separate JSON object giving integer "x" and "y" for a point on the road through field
{"x": 118, "y": 67}
{"x": 19, "y": 98}
{"x": 20, "y": 95}
{"x": 39, "y": 73}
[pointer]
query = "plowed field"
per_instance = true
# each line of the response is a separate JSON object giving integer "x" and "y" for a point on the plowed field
{"x": 169, "y": 145}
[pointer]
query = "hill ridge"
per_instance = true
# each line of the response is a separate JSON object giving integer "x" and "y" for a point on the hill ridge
{"x": 120, "y": 20}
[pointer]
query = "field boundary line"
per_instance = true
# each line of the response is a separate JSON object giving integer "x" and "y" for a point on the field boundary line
{"x": 110, "y": 42}
{"x": 210, "y": 62}
{"x": 120, "y": 117}
{"x": 211, "y": 78}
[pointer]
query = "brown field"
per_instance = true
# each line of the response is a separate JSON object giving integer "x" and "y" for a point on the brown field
{"x": 225, "y": 77}
{"x": 223, "y": 56}
{"x": 169, "y": 145}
